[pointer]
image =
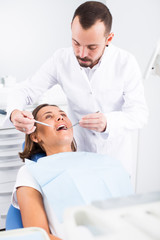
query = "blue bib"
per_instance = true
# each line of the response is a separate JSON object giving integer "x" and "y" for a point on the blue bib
{"x": 79, "y": 178}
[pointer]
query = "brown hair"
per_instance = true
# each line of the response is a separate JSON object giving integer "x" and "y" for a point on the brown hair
{"x": 90, "y": 12}
{"x": 31, "y": 147}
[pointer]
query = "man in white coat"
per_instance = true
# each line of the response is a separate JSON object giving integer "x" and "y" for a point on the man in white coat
{"x": 102, "y": 84}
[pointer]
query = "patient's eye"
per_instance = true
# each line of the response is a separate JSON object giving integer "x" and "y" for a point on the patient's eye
{"x": 48, "y": 116}
{"x": 63, "y": 115}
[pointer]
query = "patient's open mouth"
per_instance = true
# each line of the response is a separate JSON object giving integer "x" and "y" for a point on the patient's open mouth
{"x": 61, "y": 127}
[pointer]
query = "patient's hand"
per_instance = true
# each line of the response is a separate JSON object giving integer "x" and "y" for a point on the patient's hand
{"x": 23, "y": 121}
{"x": 94, "y": 121}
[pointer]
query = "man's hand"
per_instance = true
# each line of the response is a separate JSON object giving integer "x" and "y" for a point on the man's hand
{"x": 23, "y": 121}
{"x": 94, "y": 121}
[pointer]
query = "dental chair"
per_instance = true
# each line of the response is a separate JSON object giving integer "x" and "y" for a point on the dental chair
{"x": 13, "y": 219}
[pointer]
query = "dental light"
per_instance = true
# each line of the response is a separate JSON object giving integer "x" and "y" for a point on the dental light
{"x": 154, "y": 63}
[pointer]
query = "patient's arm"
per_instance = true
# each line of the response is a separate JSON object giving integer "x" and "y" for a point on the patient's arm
{"x": 32, "y": 209}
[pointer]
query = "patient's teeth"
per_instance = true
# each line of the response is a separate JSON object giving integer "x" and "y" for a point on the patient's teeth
{"x": 62, "y": 127}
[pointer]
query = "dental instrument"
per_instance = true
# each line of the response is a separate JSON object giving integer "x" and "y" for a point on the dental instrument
{"x": 45, "y": 124}
{"x": 73, "y": 125}
{"x": 78, "y": 122}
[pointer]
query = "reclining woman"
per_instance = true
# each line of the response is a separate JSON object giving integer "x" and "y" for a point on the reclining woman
{"x": 63, "y": 178}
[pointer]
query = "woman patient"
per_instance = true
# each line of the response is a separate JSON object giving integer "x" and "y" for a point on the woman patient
{"x": 63, "y": 178}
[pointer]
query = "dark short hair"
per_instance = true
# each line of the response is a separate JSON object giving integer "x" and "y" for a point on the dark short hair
{"x": 90, "y": 12}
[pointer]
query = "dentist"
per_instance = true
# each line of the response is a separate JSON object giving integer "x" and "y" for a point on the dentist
{"x": 102, "y": 84}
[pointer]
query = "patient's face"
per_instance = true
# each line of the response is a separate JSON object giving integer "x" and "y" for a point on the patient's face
{"x": 58, "y": 135}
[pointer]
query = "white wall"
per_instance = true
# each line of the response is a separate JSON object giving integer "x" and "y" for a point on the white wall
{"x": 136, "y": 26}
{"x": 148, "y": 170}
{"x": 30, "y": 31}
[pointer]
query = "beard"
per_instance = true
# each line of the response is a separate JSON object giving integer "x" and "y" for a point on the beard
{"x": 84, "y": 62}
{"x": 87, "y": 62}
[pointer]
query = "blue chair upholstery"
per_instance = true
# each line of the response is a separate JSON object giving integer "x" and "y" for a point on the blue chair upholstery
{"x": 13, "y": 219}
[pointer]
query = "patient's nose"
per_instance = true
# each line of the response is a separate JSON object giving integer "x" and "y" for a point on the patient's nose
{"x": 59, "y": 118}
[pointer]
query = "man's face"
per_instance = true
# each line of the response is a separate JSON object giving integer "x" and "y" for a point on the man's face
{"x": 88, "y": 45}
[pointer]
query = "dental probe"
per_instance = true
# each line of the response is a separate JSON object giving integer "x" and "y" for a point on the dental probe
{"x": 73, "y": 125}
{"x": 78, "y": 122}
{"x": 45, "y": 124}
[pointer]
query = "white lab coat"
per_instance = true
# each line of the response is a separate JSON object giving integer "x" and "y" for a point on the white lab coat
{"x": 115, "y": 89}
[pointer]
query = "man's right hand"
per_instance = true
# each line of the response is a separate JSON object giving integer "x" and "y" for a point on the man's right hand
{"x": 23, "y": 121}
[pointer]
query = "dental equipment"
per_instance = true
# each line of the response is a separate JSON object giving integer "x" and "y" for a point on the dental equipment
{"x": 73, "y": 125}
{"x": 78, "y": 122}
{"x": 45, "y": 124}
{"x": 154, "y": 63}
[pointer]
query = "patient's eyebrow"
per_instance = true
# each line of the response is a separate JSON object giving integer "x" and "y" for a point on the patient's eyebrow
{"x": 61, "y": 111}
{"x": 47, "y": 113}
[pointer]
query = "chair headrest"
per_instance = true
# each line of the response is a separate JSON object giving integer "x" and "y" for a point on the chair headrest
{"x": 36, "y": 156}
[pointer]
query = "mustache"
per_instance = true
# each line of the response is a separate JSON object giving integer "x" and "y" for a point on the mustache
{"x": 83, "y": 59}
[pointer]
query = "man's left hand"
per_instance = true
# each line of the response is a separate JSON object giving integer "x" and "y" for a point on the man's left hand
{"x": 94, "y": 121}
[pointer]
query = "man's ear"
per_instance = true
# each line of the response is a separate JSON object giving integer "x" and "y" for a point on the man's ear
{"x": 109, "y": 38}
{"x": 34, "y": 137}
